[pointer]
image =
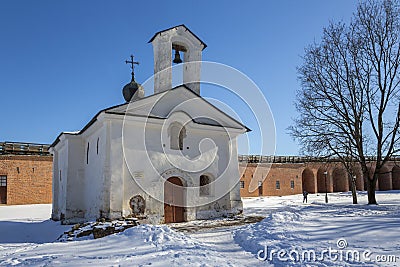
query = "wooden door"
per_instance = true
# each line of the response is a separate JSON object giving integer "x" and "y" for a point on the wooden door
{"x": 3, "y": 194}
{"x": 173, "y": 200}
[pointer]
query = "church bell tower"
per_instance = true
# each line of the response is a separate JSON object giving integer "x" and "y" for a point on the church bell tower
{"x": 177, "y": 41}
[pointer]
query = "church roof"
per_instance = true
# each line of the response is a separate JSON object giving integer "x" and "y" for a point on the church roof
{"x": 122, "y": 109}
{"x": 186, "y": 28}
{"x": 135, "y": 107}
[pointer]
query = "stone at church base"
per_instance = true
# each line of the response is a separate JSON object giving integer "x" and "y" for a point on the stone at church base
{"x": 98, "y": 229}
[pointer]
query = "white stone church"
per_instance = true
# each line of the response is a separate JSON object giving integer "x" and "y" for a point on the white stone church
{"x": 167, "y": 157}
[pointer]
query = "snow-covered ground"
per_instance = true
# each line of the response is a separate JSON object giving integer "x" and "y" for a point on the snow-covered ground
{"x": 292, "y": 234}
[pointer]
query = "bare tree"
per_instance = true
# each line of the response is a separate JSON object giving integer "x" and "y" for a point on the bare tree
{"x": 349, "y": 101}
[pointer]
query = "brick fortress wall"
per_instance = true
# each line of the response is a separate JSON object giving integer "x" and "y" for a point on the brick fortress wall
{"x": 29, "y": 177}
{"x": 280, "y": 176}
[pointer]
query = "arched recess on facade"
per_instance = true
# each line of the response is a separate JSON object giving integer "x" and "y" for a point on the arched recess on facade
{"x": 396, "y": 178}
{"x": 323, "y": 183}
{"x": 340, "y": 180}
{"x": 174, "y": 200}
{"x": 359, "y": 177}
{"x": 385, "y": 179}
{"x": 308, "y": 181}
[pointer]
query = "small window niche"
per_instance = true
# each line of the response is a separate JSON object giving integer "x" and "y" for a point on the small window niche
{"x": 205, "y": 189}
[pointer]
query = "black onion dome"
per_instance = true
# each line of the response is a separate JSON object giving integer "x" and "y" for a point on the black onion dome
{"x": 129, "y": 90}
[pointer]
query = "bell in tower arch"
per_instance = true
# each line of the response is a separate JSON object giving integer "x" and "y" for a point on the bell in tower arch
{"x": 178, "y": 49}
{"x": 177, "y": 45}
{"x": 177, "y": 58}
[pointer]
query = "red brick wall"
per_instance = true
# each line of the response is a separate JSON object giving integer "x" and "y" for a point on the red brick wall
{"x": 282, "y": 172}
{"x": 336, "y": 178}
{"x": 29, "y": 178}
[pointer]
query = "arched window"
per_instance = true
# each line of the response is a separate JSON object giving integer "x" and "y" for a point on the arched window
{"x": 205, "y": 185}
{"x": 177, "y": 133}
{"x": 97, "y": 145}
{"x": 87, "y": 153}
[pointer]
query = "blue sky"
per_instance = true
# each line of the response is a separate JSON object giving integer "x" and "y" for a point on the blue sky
{"x": 63, "y": 61}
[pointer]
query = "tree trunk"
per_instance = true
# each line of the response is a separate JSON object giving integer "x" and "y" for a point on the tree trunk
{"x": 371, "y": 186}
{"x": 354, "y": 190}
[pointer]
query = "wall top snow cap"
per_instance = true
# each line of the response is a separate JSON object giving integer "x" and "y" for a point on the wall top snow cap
{"x": 179, "y": 28}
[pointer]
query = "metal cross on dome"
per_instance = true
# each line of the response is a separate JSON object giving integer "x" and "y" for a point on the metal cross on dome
{"x": 132, "y": 66}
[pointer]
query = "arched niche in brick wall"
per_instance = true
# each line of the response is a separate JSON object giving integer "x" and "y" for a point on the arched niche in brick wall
{"x": 340, "y": 180}
{"x": 396, "y": 178}
{"x": 323, "y": 185}
{"x": 385, "y": 179}
{"x": 308, "y": 180}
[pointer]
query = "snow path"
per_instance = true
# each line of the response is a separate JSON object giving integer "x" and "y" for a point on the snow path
{"x": 221, "y": 240}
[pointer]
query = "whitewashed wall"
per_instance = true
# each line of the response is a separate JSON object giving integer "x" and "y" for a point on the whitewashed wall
{"x": 94, "y": 171}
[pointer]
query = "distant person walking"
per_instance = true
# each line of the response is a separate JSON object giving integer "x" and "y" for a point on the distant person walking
{"x": 305, "y": 194}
